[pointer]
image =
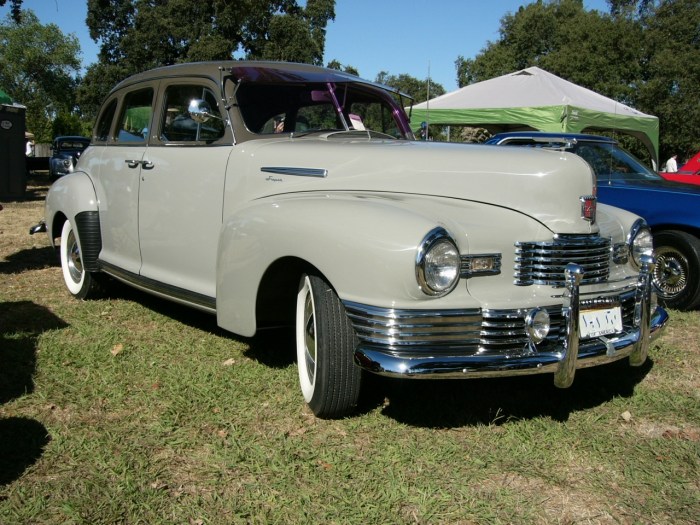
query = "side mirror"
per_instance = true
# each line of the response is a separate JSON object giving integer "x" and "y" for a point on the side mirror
{"x": 200, "y": 111}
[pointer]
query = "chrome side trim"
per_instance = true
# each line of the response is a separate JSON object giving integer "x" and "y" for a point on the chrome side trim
{"x": 167, "y": 291}
{"x": 296, "y": 172}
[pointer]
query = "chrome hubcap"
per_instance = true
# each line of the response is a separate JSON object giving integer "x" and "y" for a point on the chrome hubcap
{"x": 671, "y": 272}
{"x": 75, "y": 264}
{"x": 310, "y": 337}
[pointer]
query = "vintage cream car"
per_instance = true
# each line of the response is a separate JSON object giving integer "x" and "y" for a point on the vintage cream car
{"x": 274, "y": 194}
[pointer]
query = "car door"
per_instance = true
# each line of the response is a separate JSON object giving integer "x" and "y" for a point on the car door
{"x": 181, "y": 193}
{"x": 117, "y": 180}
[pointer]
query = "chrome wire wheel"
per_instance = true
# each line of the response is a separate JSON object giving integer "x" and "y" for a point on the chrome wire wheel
{"x": 677, "y": 273}
{"x": 671, "y": 272}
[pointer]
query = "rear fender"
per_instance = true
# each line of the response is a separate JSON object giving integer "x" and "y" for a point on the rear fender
{"x": 72, "y": 198}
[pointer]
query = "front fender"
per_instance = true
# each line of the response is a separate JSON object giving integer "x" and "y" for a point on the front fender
{"x": 68, "y": 197}
{"x": 364, "y": 245}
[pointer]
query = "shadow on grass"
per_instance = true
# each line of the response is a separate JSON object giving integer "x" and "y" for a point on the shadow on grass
{"x": 21, "y": 324}
{"x": 23, "y": 442}
{"x": 26, "y": 260}
{"x": 22, "y": 439}
{"x": 435, "y": 403}
{"x": 445, "y": 404}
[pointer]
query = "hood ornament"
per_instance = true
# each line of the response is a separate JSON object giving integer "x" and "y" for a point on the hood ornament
{"x": 588, "y": 206}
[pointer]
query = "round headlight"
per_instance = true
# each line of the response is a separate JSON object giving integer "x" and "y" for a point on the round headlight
{"x": 437, "y": 263}
{"x": 641, "y": 242}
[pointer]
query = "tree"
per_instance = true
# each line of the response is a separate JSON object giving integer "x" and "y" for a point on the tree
{"x": 334, "y": 64}
{"x": 136, "y": 35}
{"x": 15, "y": 10}
{"x": 39, "y": 67}
{"x": 671, "y": 82}
{"x": 418, "y": 90}
{"x": 645, "y": 54}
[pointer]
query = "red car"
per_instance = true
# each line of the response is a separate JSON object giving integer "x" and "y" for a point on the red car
{"x": 688, "y": 172}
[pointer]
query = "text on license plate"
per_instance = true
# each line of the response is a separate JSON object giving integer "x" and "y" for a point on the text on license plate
{"x": 593, "y": 323}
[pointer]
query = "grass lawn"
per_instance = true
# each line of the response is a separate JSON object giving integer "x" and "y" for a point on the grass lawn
{"x": 134, "y": 410}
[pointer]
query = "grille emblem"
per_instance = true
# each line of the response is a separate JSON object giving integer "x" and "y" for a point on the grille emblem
{"x": 588, "y": 205}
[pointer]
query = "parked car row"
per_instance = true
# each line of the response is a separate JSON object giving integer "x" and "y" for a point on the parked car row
{"x": 273, "y": 194}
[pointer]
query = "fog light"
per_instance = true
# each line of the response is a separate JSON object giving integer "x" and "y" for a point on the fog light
{"x": 537, "y": 325}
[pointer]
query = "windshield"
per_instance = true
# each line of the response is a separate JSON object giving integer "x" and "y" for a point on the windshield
{"x": 325, "y": 106}
{"x": 612, "y": 163}
{"x": 72, "y": 144}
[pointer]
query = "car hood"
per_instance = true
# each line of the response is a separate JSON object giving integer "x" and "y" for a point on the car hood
{"x": 547, "y": 186}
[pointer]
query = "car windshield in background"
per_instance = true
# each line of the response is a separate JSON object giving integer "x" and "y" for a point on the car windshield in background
{"x": 310, "y": 107}
{"x": 609, "y": 162}
{"x": 75, "y": 145}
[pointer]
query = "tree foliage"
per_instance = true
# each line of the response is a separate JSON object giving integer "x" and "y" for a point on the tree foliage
{"x": 136, "y": 35}
{"x": 644, "y": 53}
{"x": 39, "y": 67}
{"x": 418, "y": 90}
{"x": 15, "y": 10}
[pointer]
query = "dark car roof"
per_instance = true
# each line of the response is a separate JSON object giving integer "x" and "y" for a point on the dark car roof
{"x": 547, "y": 135}
{"x": 252, "y": 71}
{"x": 76, "y": 138}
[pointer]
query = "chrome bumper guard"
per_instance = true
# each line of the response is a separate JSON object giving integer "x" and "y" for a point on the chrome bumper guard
{"x": 573, "y": 352}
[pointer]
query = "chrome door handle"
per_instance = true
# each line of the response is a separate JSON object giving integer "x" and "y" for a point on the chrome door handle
{"x": 147, "y": 165}
{"x": 132, "y": 163}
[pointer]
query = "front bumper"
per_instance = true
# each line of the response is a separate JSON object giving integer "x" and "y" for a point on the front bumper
{"x": 465, "y": 351}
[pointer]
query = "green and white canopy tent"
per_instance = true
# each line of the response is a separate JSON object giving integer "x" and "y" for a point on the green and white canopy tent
{"x": 536, "y": 99}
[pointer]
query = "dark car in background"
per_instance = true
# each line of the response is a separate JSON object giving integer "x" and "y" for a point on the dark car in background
{"x": 66, "y": 151}
{"x": 671, "y": 209}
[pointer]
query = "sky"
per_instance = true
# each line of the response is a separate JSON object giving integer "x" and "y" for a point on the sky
{"x": 420, "y": 38}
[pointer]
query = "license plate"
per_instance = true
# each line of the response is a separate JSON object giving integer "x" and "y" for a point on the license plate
{"x": 604, "y": 321}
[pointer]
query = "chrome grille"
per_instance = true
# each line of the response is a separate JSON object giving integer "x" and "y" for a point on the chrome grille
{"x": 416, "y": 328}
{"x": 544, "y": 262}
{"x": 460, "y": 332}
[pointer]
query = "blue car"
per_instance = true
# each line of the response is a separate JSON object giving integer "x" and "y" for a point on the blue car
{"x": 672, "y": 209}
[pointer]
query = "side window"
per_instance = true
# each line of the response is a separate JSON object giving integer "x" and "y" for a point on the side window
{"x": 135, "y": 116}
{"x": 176, "y": 123}
{"x": 104, "y": 124}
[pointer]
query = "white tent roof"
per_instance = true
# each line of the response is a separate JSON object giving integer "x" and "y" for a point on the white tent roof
{"x": 531, "y": 87}
{"x": 536, "y": 99}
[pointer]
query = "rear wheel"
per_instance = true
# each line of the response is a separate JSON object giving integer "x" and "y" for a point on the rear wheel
{"x": 677, "y": 272}
{"x": 329, "y": 379}
{"x": 80, "y": 283}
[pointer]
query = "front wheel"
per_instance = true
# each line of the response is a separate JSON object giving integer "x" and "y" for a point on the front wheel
{"x": 329, "y": 379}
{"x": 80, "y": 283}
{"x": 677, "y": 272}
